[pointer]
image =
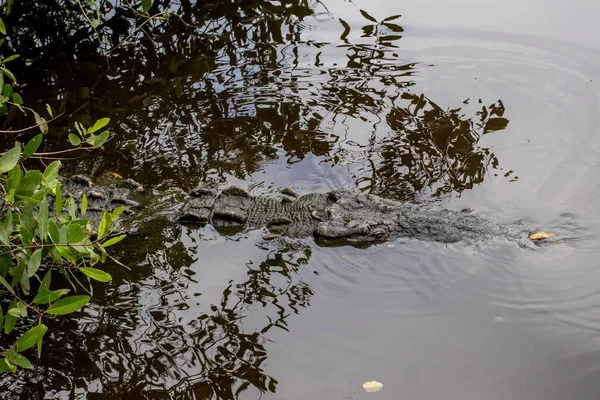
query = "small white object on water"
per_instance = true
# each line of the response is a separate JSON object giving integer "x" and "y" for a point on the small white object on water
{"x": 372, "y": 386}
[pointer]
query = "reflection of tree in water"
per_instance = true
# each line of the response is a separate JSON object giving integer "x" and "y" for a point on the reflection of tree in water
{"x": 222, "y": 99}
{"x": 154, "y": 338}
{"x": 431, "y": 149}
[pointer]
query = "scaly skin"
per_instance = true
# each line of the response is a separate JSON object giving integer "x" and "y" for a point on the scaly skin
{"x": 339, "y": 217}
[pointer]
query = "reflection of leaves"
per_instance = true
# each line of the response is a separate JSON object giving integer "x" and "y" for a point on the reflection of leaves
{"x": 393, "y": 27}
{"x": 495, "y": 124}
{"x": 367, "y": 16}
{"x": 346, "y": 30}
{"x": 393, "y": 17}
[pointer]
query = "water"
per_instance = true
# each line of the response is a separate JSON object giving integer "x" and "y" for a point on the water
{"x": 506, "y": 125}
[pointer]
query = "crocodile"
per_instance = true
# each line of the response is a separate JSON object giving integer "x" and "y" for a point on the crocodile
{"x": 104, "y": 197}
{"x": 343, "y": 217}
{"x": 334, "y": 218}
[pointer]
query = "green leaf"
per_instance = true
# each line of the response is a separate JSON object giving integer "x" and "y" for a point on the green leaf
{"x": 367, "y": 16}
{"x": 68, "y": 305}
{"x": 6, "y": 366}
{"x": 1, "y": 318}
{"x": 72, "y": 208}
{"x": 41, "y": 122}
{"x": 17, "y": 99}
{"x": 46, "y": 296}
{"x": 14, "y": 177}
{"x": 10, "y": 58}
{"x": 84, "y": 204}
{"x": 51, "y": 172}
{"x": 101, "y": 123}
{"x": 74, "y": 139}
{"x": 113, "y": 240}
{"x": 82, "y": 132}
{"x": 10, "y": 158}
{"x": 67, "y": 254}
{"x": 75, "y": 233}
{"x": 58, "y": 199}
{"x": 4, "y": 283}
{"x": 14, "y": 312}
{"x": 6, "y": 229}
{"x": 32, "y": 146}
{"x": 46, "y": 281}
{"x": 34, "y": 262}
{"x": 96, "y": 274}
{"x": 22, "y": 309}
{"x": 53, "y": 232}
{"x": 42, "y": 218}
{"x": 7, "y": 90}
{"x": 31, "y": 337}
{"x": 28, "y": 183}
{"x": 104, "y": 224}
{"x": 49, "y": 109}
{"x": 95, "y": 23}
{"x": 101, "y": 139}
{"x": 18, "y": 359}
{"x": 146, "y": 5}
{"x": 2, "y": 27}
{"x": 9, "y": 74}
{"x": 10, "y": 321}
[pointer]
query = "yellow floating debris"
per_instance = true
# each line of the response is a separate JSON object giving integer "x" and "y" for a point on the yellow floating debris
{"x": 372, "y": 386}
{"x": 541, "y": 235}
{"x": 116, "y": 175}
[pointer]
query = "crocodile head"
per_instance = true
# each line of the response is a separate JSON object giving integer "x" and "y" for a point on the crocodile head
{"x": 354, "y": 219}
{"x": 355, "y": 232}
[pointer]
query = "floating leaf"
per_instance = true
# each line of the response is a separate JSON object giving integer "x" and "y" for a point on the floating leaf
{"x": 541, "y": 235}
{"x": 10, "y": 159}
{"x": 31, "y": 337}
{"x": 96, "y": 274}
{"x": 372, "y": 386}
{"x": 32, "y": 146}
{"x": 68, "y": 305}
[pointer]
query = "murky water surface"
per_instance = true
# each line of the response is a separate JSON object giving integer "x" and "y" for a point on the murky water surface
{"x": 488, "y": 105}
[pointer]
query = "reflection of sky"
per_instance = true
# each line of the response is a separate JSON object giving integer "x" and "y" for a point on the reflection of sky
{"x": 574, "y": 21}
